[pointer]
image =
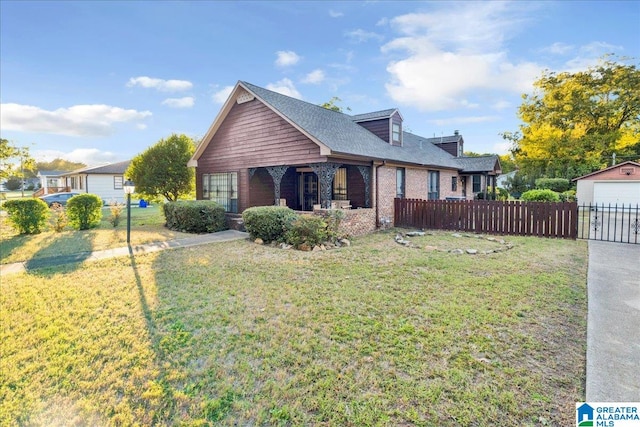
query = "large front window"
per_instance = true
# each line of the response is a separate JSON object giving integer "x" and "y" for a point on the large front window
{"x": 222, "y": 188}
{"x": 434, "y": 185}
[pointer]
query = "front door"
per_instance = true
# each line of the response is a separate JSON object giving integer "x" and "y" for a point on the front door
{"x": 308, "y": 190}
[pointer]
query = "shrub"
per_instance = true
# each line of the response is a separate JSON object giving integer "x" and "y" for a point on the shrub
{"x": 269, "y": 223}
{"x": 558, "y": 185}
{"x": 540, "y": 196}
{"x": 116, "y": 213}
{"x": 13, "y": 184}
{"x": 27, "y": 216}
{"x": 58, "y": 219}
{"x": 84, "y": 211}
{"x": 307, "y": 229}
{"x": 333, "y": 218}
{"x": 568, "y": 196}
{"x": 194, "y": 216}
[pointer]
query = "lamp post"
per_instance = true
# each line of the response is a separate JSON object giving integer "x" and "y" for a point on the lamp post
{"x": 129, "y": 187}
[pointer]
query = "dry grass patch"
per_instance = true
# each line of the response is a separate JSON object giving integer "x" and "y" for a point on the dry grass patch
{"x": 242, "y": 334}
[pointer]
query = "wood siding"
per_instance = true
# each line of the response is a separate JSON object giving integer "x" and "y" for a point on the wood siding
{"x": 449, "y": 147}
{"x": 379, "y": 128}
{"x": 252, "y": 135}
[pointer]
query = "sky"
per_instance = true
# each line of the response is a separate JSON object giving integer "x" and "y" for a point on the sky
{"x": 99, "y": 82}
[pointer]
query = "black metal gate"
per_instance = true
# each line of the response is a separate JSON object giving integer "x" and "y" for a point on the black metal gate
{"x": 610, "y": 223}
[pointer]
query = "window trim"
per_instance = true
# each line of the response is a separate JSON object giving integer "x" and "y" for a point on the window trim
{"x": 226, "y": 197}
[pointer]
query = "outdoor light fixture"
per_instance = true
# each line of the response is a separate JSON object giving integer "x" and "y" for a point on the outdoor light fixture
{"x": 129, "y": 187}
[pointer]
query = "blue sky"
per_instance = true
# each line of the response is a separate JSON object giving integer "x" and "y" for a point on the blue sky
{"x": 99, "y": 82}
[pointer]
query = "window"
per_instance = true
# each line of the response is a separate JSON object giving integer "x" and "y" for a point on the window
{"x": 400, "y": 178}
{"x": 117, "y": 183}
{"x": 222, "y": 188}
{"x": 340, "y": 184}
{"x": 434, "y": 185}
{"x": 454, "y": 183}
{"x": 395, "y": 133}
{"x": 476, "y": 183}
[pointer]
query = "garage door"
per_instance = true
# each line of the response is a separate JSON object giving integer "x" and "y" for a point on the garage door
{"x": 616, "y": 193}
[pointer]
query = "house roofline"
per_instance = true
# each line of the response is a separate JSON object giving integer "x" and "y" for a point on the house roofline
{"x": 606, "y": 169}
{"x": 226, "y": 108}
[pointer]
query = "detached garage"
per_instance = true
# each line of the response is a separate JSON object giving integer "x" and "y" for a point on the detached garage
{"x": 619, "y": 184}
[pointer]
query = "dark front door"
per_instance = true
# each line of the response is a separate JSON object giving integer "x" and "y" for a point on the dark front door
{"x": 308, "y": 194}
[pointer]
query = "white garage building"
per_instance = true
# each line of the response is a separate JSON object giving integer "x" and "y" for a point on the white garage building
{"x": 615, "y": 185}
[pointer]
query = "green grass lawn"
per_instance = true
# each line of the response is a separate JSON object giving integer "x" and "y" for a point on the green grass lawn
{"x": 147, "y": 225}
{"x": 240, "y": 334}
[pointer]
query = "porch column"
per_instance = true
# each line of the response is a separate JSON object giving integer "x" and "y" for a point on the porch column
{"x": 325, "y": 173}
{"x": 365, "y": 171}
{"x": 277, "y": 172}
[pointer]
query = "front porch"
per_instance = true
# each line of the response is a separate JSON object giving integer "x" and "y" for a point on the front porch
{"x": 312, "y": 186}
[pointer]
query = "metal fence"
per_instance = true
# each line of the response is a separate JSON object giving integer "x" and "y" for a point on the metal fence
{"x": 611, "y": 223}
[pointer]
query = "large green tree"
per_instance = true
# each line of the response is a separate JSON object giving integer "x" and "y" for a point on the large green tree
{"x": 161, "y": 170}
{"x": 15, "y": 162}
{"x": 574, "y": 122}
{"x": 59, "y": 165}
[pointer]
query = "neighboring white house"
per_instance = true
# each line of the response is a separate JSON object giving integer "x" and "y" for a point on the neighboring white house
{"x": 51, "y": 181}
{"x": 619, "y": 184}
{"x": 105, "y": 181}
{"x": 501, "y": 180}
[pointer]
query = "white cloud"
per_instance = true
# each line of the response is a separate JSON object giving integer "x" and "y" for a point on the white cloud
{"x": 362, "y": 36}
{"x": 382, "y": 22}
{"x": 285, "y": 87}
{"x": 589, "y": 55}
{"x": 462, "y": 119}
{"x": 286, "y": 58}
{"x": 558, "y": 48}
{"x": 314, "y": 77}
{"x": 185, "y": 102}
{"x": 160, "y": 84}
{"x": 88, "y": 156}
{"x": 436, "y": 68}
{"x": 335, "y": 14}
{"x": 501, "y": 147}
{"x": 501, "y": 105}
{"x": 78, "y": 120}
{"x": 221, "y": 96}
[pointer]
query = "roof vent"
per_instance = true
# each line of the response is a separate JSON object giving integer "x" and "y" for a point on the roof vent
{"x": 244, "y": 96}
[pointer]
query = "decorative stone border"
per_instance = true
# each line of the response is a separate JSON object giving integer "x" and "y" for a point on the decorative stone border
{"x": 504, "y": 246}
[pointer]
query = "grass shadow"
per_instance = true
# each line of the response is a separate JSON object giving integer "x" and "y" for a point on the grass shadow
{"x": 82, "y": 242}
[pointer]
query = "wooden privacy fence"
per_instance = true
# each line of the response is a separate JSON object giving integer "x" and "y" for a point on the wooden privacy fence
{"x": 544, "y": 219}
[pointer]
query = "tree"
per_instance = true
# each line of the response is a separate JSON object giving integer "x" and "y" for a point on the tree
{"x": 331, "y": 105}
{"x": 7, "y": 151}
{"x": 15, "y": 162}
{"x": 161, "y": 170}
{"x": 573, "y": 123}
{"x": 59, "y": 165}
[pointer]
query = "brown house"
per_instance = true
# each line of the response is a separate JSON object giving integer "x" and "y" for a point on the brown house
{"x": 265, "y": 148}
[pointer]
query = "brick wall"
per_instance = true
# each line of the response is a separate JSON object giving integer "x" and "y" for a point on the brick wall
{"x": 386, "y": 192}
{"x": 416, "y": 186}
{"x": 356, "y": 222}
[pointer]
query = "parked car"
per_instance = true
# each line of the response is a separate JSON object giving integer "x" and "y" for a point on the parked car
{"x": 57, "y": 198}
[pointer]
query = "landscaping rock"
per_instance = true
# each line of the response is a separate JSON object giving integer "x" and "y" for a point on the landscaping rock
{"x": 415, "y": 233}
{"x": 345, "y": 242}
{"x": 259, "y": 241}
{"x": 457, "y": 251}
{"x": 304, "y": 247}
{"x": 284, "y": 246}
{"x": 456, "y": 235}
{"x": 472, "y": 251}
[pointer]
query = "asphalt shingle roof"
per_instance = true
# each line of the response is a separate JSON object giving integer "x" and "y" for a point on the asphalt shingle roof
{"x": 341, "y": 134}
{"x": 112, "y": 168}
{"x": 374, "y": 115}
{"x": 477, "y": 164}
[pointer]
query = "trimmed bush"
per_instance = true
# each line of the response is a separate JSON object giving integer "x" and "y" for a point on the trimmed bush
{"x": 540, "y": 196}
{"x": 194, "y": 216}
{"x": 269, "y": 223}
{"x": 307, "y": 229}
{"x": 27, "y": 216}
{"x": 558, "y": 185}
{"x": 84, "y": 211}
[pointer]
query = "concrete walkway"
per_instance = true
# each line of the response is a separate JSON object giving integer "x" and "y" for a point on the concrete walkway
{"x": 200, "y": 239}
{"x": 613, "y": 322}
